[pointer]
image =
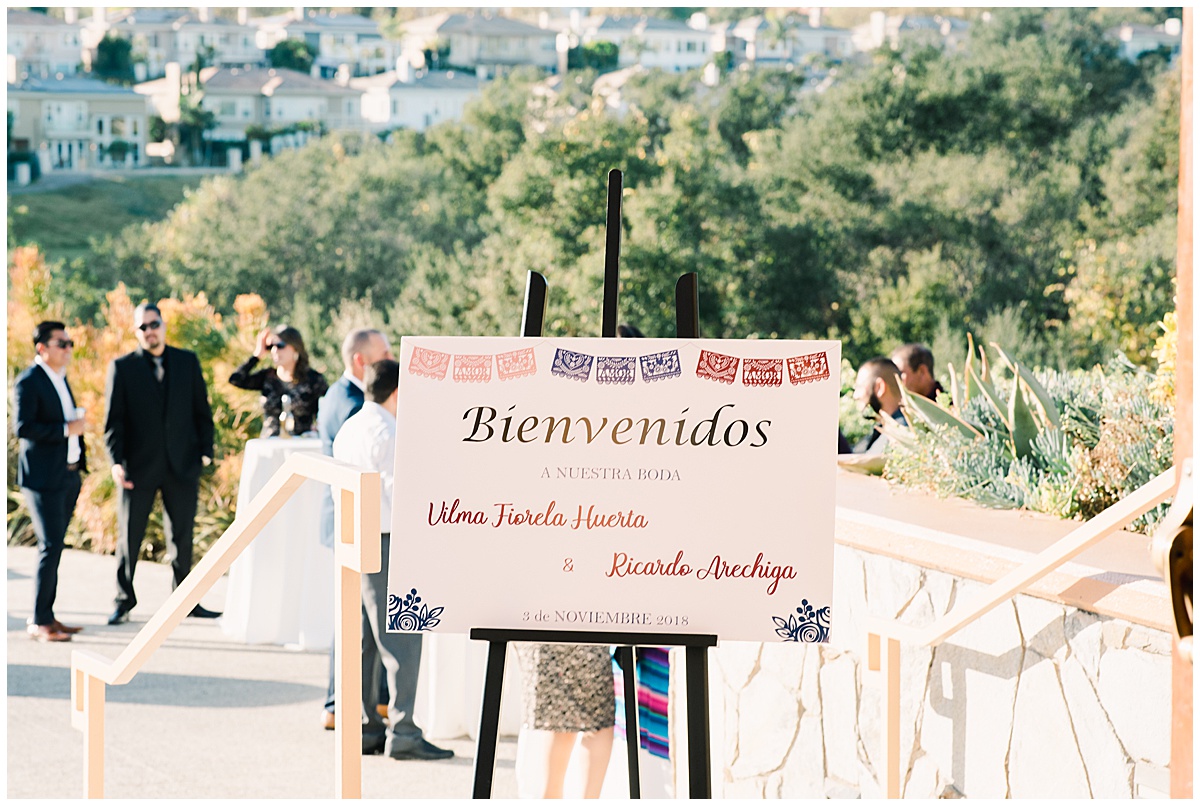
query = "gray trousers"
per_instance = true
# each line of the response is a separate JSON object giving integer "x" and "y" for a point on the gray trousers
{"x": 401, "y": 656}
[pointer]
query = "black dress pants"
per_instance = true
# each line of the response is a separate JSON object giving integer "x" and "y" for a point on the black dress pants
{"x": 50, "y": 511}
{"x": 179, "y": 497}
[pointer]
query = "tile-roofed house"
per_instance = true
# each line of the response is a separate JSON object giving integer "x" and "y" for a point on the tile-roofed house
{"x": 947, "y": 33}
{"x": 164, "y": 35}
{"x": 74, "y": 121}
{"x": 41, "y": 45}
{"x": 482, "y": 40}
{"x": 1135, "y": 38}
{"x": 652, "y": 41}
{"x": 336, "y": 38}
{"x": 277, "y": 97}
{"x": 415, "y": 99}
{"x": 765, "y": 42}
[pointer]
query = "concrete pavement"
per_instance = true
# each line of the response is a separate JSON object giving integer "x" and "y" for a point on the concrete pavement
{"x": 205, "y": 718}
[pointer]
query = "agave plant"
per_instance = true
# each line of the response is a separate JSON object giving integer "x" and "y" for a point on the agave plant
{"x": 1028, "y": 417}
{"x": 1067, "y": 444}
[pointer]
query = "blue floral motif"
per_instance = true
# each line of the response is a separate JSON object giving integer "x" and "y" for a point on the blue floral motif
{"x": 409, "y": 614}
{"x": 808, "y": 625}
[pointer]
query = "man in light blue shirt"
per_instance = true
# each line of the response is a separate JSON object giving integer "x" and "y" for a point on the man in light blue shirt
{"x": 368, "y": 440}
{"x": 361, "y": 348}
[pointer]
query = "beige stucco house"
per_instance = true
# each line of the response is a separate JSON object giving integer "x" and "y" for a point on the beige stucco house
{"x": 72, "y": 122}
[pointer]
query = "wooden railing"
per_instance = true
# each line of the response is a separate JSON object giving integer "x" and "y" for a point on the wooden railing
{"x": 884, "y": 636}
{"x": 356, "y": 552}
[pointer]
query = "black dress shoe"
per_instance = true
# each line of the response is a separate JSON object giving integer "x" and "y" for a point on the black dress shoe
{"x": 120, "y": 615}
{"x": 202, "y": 612}
{"x": 372, "y": 745}
{"x": 421, "y": 751}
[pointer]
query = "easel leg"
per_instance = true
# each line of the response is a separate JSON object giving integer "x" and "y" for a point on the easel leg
{"x": 625, "y": 658}
{"x": 489, "y": 721}
{"x": 699, "y": 758}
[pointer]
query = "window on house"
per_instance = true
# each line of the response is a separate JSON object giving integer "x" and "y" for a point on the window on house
{"x": 227, "y": 109}
{"x": 118, "y": 127}
{"x": 133, "y": 127}
{"x": 100, "y": 126}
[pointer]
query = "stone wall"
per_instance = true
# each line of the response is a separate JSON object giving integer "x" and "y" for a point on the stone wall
{"x": 1035, "y": 699}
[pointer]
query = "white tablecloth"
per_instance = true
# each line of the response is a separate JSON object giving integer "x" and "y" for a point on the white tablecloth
{"x": 281, "y": 587}
{"x": 450, "y": 688}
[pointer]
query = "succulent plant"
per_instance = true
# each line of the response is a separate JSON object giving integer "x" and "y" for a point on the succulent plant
{"x": 1065, "y": 443}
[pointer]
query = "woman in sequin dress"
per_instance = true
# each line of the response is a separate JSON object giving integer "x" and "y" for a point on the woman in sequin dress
{"x": 291, "y": 375}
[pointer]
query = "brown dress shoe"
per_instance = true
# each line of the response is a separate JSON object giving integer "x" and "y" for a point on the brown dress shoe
{"x": 47, "y": 633}
{"x": 58, "y": 625}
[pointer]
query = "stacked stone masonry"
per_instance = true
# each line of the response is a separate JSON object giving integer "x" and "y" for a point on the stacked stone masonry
{"x": 1035, "y": 699}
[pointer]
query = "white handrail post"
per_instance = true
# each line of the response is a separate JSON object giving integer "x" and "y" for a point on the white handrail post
{"x": 348, "y": 667}
{"x": 87, "y": 715}
{"x": 357, "y": 553}
{"x": 889, "y": 661}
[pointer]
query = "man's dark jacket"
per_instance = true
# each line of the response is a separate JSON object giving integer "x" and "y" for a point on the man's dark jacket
{"x": 152, "y": 427}
{"x": 41, "y": 429}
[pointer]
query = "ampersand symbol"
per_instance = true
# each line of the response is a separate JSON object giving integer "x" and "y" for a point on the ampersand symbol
{"x": 568, "y": 564}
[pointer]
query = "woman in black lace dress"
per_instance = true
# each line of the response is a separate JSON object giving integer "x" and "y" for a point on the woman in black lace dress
{"x": 291, "y": 376}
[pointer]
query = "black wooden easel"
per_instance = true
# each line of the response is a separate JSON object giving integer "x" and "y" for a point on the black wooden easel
{"x": 687, "y": 325}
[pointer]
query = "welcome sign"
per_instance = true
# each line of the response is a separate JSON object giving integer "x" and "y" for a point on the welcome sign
{"x": 628, "y": 485}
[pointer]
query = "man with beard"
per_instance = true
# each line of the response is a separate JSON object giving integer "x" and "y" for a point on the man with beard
{"x": 876, "y": 391}
{"x": 159, "y": 433}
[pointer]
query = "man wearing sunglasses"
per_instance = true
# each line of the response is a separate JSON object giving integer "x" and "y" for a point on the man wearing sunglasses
{"x": 50, "y": 430}
{"x": 159, "y": 433}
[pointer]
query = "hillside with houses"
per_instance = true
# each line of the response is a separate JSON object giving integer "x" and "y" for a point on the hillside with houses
{"x": 134, "y": 87}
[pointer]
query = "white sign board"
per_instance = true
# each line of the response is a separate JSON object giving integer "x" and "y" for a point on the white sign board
{"x": 618, "y": 485}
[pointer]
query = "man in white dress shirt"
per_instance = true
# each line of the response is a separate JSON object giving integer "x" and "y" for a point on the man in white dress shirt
{"x": 50, "y": 430}
{"x": 368, "y": 440}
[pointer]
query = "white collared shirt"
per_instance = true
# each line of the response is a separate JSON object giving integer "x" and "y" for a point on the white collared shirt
{"x": 74, "y": 451}
{"x": 356, "y": 381}
{"x": 368, "y": 440}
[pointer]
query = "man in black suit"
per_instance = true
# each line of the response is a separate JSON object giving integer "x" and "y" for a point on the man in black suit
{"x": 159, "y": 434}
{"x": 50, "y": 430}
